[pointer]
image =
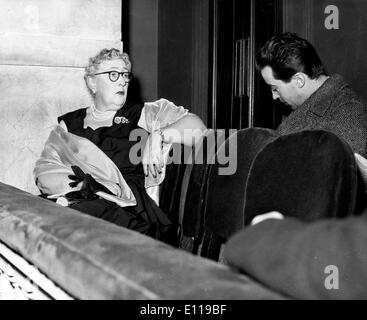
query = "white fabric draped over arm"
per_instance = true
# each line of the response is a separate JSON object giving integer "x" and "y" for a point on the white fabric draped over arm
{"x": 63, "y": 150}
{"x": 154, "y": 116}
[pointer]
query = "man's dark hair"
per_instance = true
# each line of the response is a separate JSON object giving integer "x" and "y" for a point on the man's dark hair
{"x": 286, "y": 53}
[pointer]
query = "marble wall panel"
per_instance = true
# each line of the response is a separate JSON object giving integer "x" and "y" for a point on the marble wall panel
{"x": 57, "y": 32}
{"x": 86, "y": 19}
{"x": 44, "y": 45}
{"x": 32, "y": 99}
{"x": 36, "y": 50}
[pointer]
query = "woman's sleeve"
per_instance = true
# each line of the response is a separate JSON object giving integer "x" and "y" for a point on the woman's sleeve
{"x": 159, "y": 114}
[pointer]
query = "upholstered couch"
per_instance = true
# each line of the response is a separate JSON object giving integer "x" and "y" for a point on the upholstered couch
{"x": 92, "y": 259}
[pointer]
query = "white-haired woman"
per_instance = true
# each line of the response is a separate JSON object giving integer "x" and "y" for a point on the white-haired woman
{"x": 87, "y": 158}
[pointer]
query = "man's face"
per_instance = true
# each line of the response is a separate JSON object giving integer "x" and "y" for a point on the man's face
{"x": 287, "y": 92}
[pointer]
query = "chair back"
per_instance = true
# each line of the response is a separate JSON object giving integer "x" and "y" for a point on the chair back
{"x": 170, "y": 190}
{"x": 225, "y": 202}
{"x": 309, "y": 175}
{"x": 193, "y": 191}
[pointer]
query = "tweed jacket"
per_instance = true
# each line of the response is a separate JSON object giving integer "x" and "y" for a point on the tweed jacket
{"x": 333, "y": 107}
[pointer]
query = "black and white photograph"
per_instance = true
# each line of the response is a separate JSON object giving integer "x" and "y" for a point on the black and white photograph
{"x": 183, "y": 156}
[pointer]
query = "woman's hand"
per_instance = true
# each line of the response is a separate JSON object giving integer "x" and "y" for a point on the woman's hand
{"x": 88, "y": 186}
{"x": 153, "y": 154}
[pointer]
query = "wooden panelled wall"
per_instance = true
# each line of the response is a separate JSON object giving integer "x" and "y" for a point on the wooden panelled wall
{"x": 339, "y": 39}
{"x": 168, "y": 43}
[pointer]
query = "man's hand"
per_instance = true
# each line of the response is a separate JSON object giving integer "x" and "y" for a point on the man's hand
{"x": 153, "y": 155}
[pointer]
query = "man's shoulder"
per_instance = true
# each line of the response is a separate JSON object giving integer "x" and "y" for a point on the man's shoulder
{"x": 346, "y": 96}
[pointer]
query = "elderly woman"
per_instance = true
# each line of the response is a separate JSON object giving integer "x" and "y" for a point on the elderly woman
{"x": 87, "y": 160}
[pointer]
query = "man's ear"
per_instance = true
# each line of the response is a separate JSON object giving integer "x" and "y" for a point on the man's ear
{"x": 300, "y": 79}
{"x": 91, "y": 82}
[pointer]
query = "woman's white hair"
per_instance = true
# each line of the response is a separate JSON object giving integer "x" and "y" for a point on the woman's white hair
{"x": 104, "y": 55}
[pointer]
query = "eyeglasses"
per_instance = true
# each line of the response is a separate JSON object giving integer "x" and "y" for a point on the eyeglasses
{"x": 115, "y": 75}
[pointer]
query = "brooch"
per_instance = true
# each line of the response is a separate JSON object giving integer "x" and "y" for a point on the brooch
{"x": 119, "y": 120}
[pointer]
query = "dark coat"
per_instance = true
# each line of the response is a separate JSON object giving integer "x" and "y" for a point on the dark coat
{"x": 326, "y": 259}
{"x": 333, "y": 107}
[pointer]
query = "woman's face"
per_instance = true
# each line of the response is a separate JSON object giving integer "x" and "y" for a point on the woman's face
{"x": 110, "y": 95}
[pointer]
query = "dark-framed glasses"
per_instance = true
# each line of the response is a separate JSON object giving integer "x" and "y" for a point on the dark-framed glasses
{"x": 115, "y": 75}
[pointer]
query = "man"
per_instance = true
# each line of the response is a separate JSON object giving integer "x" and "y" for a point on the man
{"x": 326, "y": 258}
{"x": 292, "y": 68}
